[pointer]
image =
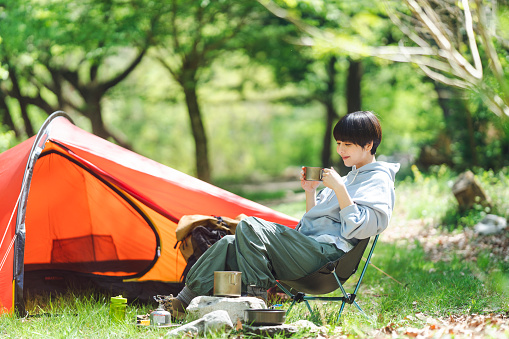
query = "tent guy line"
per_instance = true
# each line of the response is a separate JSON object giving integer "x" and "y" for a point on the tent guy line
{"x": 7, "y": 252}
{"x": 5, "y": 233}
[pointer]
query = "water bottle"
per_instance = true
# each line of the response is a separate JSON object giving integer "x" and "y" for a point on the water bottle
{"x": 117, "y": 308}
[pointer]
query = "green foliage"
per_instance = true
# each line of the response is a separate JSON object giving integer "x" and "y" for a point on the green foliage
{"x": 7, "y": 139}
{"x": 425, "y": 196}
{"x": 261, "y": 94}
{"x": 66, "y": 29}
{"x": 406, "y": 104}
{"x": 252, "y": 132}
{"x": 434, "y": 201}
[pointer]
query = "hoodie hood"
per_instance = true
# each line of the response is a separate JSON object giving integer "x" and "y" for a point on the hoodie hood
{"x": 390, "y": 168}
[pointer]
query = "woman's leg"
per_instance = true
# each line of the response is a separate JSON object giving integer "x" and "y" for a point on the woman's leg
{"x": 263, "y": 251}
{"x": 267, "y": 252}
{"x": 220, "y": 256}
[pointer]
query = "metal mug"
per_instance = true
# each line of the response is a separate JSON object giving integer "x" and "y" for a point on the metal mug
{"x": 313, "y": 173}
{"x": 227, "y": 283}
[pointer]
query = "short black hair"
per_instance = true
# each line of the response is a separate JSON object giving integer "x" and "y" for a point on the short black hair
{"x": 360, "y": 128}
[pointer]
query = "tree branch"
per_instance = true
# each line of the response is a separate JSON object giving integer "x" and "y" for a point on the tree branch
{"x": 114, "y": 81}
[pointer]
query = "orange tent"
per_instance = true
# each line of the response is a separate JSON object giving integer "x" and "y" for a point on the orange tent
{"x": 77, "y": 209}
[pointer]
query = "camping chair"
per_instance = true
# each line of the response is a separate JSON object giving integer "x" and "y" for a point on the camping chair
{"x": 329, "y": 278}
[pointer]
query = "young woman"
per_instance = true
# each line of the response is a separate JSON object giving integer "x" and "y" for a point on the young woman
{"x": 348, "y": 209}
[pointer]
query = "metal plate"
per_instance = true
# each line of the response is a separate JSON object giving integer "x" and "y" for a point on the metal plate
{"x": 264, "y": 317}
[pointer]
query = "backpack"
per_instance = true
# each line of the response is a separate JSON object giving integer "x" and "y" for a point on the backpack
{"x": 196, "y": 233}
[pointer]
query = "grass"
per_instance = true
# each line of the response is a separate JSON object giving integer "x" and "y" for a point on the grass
{"x": 429, "y": 287}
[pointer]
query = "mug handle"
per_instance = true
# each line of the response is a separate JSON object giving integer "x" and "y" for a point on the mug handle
{"x": 232, "y": 279}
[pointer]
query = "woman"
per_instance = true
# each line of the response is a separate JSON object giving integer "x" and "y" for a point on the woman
{"x": 348, "y": 209}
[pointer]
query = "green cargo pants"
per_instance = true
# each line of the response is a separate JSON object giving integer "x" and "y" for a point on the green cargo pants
{"x": 264, "y": 252}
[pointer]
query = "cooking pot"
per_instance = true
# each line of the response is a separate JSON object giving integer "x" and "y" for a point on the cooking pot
{"x": 227, "y": 283}
{"x": 264, "y": 317}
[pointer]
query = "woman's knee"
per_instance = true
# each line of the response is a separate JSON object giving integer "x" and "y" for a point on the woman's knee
{"x": 246, "y": 226}
{"x": 255, "y": 229}
{"x": 227, "y": 239}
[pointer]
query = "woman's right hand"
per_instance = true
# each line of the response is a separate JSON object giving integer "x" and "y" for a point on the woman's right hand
{"x": 308, "y": 185}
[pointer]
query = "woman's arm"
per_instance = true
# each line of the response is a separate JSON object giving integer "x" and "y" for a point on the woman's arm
{"x": 371, "y": 212}
{"x": 310, "y": 189}
{"x": 310, "y": 199}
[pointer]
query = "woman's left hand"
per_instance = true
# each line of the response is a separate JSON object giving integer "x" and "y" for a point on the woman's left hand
{"x": 331, "y": 178}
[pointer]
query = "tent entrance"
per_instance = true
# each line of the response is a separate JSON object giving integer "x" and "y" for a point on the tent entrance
{"x": 78, "y": 222}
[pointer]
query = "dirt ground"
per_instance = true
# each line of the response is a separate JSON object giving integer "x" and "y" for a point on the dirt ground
{"x": 439, "y": 245}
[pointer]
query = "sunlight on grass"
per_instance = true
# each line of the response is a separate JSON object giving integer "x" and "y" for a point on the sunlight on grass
{"x": 433, "y": 288}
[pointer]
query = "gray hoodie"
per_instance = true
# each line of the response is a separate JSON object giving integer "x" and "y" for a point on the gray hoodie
{"x": 371, "y": 188}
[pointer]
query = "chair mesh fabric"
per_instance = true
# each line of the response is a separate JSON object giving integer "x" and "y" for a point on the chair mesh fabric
{"x": 322, "y": 281}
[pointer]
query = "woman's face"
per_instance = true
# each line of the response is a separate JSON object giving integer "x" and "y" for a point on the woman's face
{"x": 353, "y": 154}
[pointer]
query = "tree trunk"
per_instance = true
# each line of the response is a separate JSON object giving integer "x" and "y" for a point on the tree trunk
{"x": 200, "y": 138}
{"x": 5, "y": 115}
{"x": 353, "y": 86}
{"x": 331, "y": 113}
{"x": 353, "y": 95}
{"x": 22, "y": 103}
{"x": 471, "y": 137}
{"x": 93, "y": 111}
{"x": 459, "y": 125}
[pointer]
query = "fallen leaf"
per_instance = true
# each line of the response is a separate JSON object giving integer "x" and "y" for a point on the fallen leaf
{"x": 412, "y": 332}
{"x": 389, "y": 328}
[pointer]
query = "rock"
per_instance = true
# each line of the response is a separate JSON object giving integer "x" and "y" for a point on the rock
{"x": 491, "y": 224}
{"x": 212, "y": 322}
{"x": 271, "y": 331}
{"x": 306, "y": 324}
{"x": 285, "y": 329}
{"x": 216, "y": 321}
{"x": 235, "y": 307}
{"x": 468, "y": 191}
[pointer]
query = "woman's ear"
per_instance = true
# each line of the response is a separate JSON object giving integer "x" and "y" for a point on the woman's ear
{"x": 369, "y": 146}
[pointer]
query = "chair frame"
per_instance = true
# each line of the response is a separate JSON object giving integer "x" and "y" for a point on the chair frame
{"x": 347, "y": 298}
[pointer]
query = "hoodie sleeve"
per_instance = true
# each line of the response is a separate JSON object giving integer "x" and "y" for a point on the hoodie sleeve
{"x": 362, "y": 222}
{"x": 371, "y": 211}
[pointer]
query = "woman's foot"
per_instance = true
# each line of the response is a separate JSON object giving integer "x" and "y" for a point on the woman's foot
{"x": 177, "y": 308}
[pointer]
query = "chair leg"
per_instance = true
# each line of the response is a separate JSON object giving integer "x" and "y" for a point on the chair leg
{"x": 360, "y": 310}
{"x": 289, "y": 308}
{"x": 309, "y": 306}
{"x": 341, "y": 310}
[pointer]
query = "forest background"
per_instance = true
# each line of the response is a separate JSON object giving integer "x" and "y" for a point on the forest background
{"x": 237, "y": 91}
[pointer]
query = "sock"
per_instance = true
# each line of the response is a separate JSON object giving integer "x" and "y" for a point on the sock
{"x": 186, "y": 295}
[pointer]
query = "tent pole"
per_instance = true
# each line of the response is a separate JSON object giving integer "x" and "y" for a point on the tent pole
{"x": 19, "y": 245}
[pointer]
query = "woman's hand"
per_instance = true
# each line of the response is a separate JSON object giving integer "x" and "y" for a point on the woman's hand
{"x": 308, "y": 185}
{"x": 332, "y": 179}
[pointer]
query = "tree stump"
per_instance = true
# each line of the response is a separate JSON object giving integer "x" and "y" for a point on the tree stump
{"x": 468, "y": 191}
